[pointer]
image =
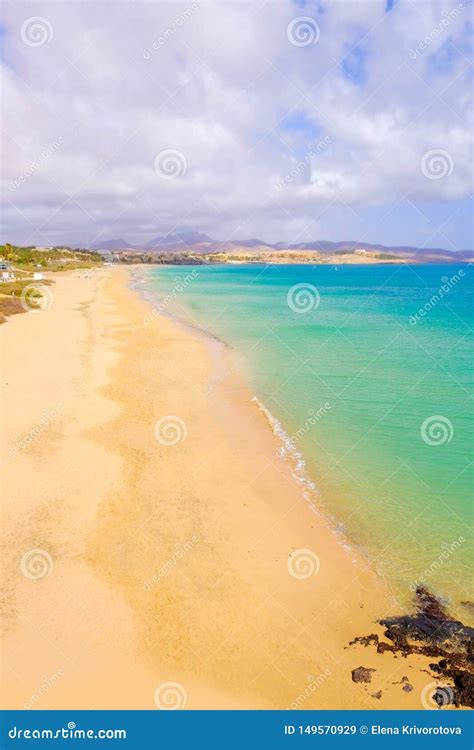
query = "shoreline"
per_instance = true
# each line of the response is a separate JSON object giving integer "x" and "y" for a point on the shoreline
{"x": 402, "y": 600}
{"x": 225, "y": 359}
{"x": 234, "y": 618}
{"x": 220, "y": 350}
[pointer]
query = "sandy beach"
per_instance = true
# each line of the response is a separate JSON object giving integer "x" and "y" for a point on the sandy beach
{"x": 153, "y": 535}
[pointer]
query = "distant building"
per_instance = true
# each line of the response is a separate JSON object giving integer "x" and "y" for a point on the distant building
{"x": 6, "y": 273}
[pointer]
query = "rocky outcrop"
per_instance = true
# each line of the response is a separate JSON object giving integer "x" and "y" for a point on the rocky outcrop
{"x": 430, "y": 631}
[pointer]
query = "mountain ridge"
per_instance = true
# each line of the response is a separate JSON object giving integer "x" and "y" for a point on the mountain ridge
{"x": 200, "y": 243}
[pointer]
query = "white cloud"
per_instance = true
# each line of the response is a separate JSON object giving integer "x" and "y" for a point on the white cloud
{"x": 222, "y": 84}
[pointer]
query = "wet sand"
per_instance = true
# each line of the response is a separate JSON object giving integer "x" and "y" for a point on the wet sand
{"x": 176, "y": 551}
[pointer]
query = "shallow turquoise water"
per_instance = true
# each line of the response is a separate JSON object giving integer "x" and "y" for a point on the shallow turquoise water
{"x": 353, "y": 380}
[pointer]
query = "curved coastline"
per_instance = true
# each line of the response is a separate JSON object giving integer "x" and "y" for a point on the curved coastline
{"x": 305, "y": 471}
{"x": 284, "y": 447}
{"x": 284, "y": 444}
{"x": 188, "y": 554}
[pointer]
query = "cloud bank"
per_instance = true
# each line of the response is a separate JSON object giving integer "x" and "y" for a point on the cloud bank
{"x": 289, "y": 121}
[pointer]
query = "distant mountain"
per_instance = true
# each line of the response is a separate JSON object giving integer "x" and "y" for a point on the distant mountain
{"x": 119, "y": 244}
{"x": 250, "y": 243}
{"x": 199, "y": 244}
{"x": 325, "y": 246}
{"x": 179, "y": 238}
{"x": 174, "y": 241}
{"x": 351, "y": 246}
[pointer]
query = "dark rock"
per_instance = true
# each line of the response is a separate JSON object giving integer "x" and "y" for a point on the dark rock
{"x": 377, "y": 695}
{"x": 430, "y": 631}
{"x": 362, "y": 674}
{"x": 407, "y": 687}
{"x": 365, "y": 640}
{"x": 443, "y": 696}
{"x": 373, "y": 640}
{"x": 382, "y": 647}
{"x": 463, "y": 686}
{"x": 431, "y": 625}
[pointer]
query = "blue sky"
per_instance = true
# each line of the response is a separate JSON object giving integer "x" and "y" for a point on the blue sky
{"x": 290, "y": 121}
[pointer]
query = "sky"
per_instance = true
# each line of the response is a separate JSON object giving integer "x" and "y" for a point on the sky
{"x": 287, "y": 121}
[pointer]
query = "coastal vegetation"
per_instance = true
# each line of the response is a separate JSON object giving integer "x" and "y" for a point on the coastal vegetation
{"x": 13, "y": 294}
{"x": 50, "y": 258}
{"x": 275, "y": 257}
{"x": 22, "y": 284}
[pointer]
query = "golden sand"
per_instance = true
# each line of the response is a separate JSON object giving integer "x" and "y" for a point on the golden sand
{"x": 167, "y": 553}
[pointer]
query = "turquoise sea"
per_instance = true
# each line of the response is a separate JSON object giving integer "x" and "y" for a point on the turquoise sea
{"x": 369, "y": 370}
